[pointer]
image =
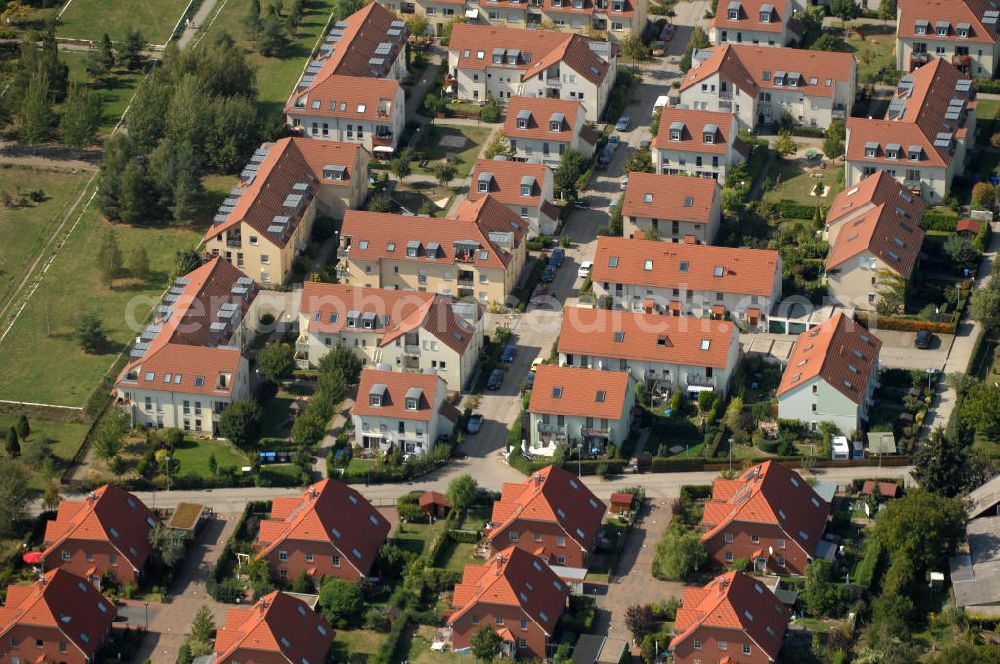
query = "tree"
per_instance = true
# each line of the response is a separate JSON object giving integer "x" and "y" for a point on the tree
{"x": 640, "y": 162}
{"x": 462, "y": 492}
{"x": 887, "y": 10}
{"x": 679, "y": 554}
{"x": 486, "y": 644}
{"x": 213, "y": 464}
{"x": 984, "y": 195}
{"x": 147, "y": 115}
{"x": 985, "y": 308}
{"x": 35, "y": 117}
{"x": 251, "y": 21}
{"x": 203, "y": 625}
{"x": 276, "y": 361}
{"x": 341, "y": 602}
{"x": 136, "y": 201}
{"x": 826, "y": 42}
{"x": 273, "y": 37}
{"x": 186, "y": 260}
{"x": 785, "y": 145}
{"x": 401, "y": 166}
{"x": 961, "y": 251}
{"x": 23, "y": 428}
{"x": 130, "y": 54}
{"x": 821, "y": 595}
{"x": 811, "y": 20}
{"x": 922, "y": 529}
{"x": 309, "y": 428}
{"x": 499, "y": 146}
{"x": 90, "y": 333}
{"x": 891, "y": 294}
{"x": 698, "y": 40}
{"x": 11, "y": 444}
{"x": 444, "y": 172}
{"x": 138, "y": 262}
{"x": 845, "y": 10}
{"x": 418, "y": 24}
{"x": 81, "y": 117}
{"x": 979, "y": 410}
{"x": 640, "y": 621}
{"x": 449, "y": 27}
{"x": 733, "y": 412}
{"x": 344, "y": 360}
{"x": 169, "y": 546}
{"x": 51, "y": 498}
{"x": 942, "y": 465}
{"x": 569, "y": 170}
{"x": 240, "y": 423}
{"x": 833, "y": 144}
{"x": 107, "y": 436}
{"x": 633, "y": 49}
{"x": 14, "y": 495}
{"x": 109, "y": 258}
{"x": 732, "y": 199}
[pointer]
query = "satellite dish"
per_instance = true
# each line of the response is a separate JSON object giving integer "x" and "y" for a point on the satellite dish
{"x": 770, "y": 550}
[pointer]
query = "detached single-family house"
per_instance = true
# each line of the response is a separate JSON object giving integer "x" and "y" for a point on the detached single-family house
{"x": 963, "y": 32}
{"x": 760, "y": 85}
{"x": 267, "y": 219}
{"x": 407, "y": 330}
{"x": 277, "y": 628}
{"x": 330, "y": 530}
{"x": 975, "y": 573}
{"x": 401, "y": 410}
{"x": 674, "y": 208}
{"x": 923, "y": 139}
{"x": 618, "y": 18}
{"x": 579, "y": 406}
{"x": 698, "y": 280}
{"x": 542, "y": 129}
{"x": 524, "y": 187}
{"x": 700, "y": 143}
{"x": 831, "y": 375}
{"x": 757, "y": 22}
{"x": 734, "y": 618}
{"x": 768, "y": 516}
{"x": 674, "y": 353}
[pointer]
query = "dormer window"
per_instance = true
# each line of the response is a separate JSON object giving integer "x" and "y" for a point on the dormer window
{"x": 963, "y": 30}
{"x": 411, "y": 404}
{"x": 527, "y": 185}
{"x": 483, "y": 182}
{"x": 871, "y": 150}
{"x": 892, "y": 151}
{"x": 375, "y": 400}
{"x": 556, "y": 122}
{"x": 942, "y": 28}
{"x": 557, "y": 3}
{"x": 577, "y": 4}
{"x": 412, "y": 248}
{"x": 734, "y": 11}
{"x": 554, "y": 126}
{"x": 914, "y": 153}
{"x": 708, "y": 134}
{"x": 765, "y": 13}
{"x": 617, "y": 6}
{"x": 675, "y": 134}
{"x": 920, "y": 28}
{"x": 498, "y": 56}
{"x": 512, "y": 58}
{"x": 523, "y": 118}
{"x": 376, "y": 394}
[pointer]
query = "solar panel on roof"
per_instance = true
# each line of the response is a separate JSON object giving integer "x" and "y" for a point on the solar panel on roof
{"x": 397, "y": 24}
{"x": 341, "y": 24}
{"x": 281, "y": 219}
{"x": 219, "y": 218}
{"x": 217, "y": 326}
{"x": 376, "y": 61}
{"x": 300, "y": 186}
{"x": 235, "y": 192}
{"x": 275, "y": 229}
{"x": 952, "y": 115}
{"x": 230, "y": 201}
{"x": 384, "y": 48}
{"x": 394, "y": 32}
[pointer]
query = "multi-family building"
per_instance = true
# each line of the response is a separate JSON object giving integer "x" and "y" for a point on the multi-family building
{"x": 769, "y": 516}
{"x": 188, "y": 365}
{"x": 700, "y": 143}
{"x": 267, "y": 219}
{"x": 754, "y": 22}
{"x": 873, "y": 230}
{"x": 761, "y": 84}
{"x": 278, "y": 627}
{"x": 477, "y": 252}
{"x": 502, "y": 63}
{"x": 674, "y": 208}
{"x": 831, "y": 375}
{"x": 733, "y": 618}
{"x": 668, "y": 352}
{"x": 401, "y": 411}
{"x": 923, "y": 139}
{"x": 526, "y": 188}
{"x": 105, "y": 533}
{"x": 57, "y": 618}
{"x": 350, "y": 91}
{"x": 408, "y": 330}
{"x": 618, "y": 18}
{"x": 579, "y": 407}
{"x": 542, "y": 129}
{"x": 698, "y": 280}
{"x": 517, "y": 595}
{"x": 964, "y": 32}
{"x": 330, "y": 530}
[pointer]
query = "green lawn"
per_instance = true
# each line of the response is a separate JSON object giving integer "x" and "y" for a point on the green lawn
{"x": 417, "y": 537}
{"x": 476, "y": 517}
{"x": 274, "y": 423}
{"x": 42, "y": 360}
{"x": 90, "y": 19}
{"x": 25, "y": 230}
{"x": 192, "y": 456}
{"x": 115, "y": 90}
{"x": 456, "y": 555}
{"x": 794, "y": 182}
{"x": 875, "y": 52}
{"x": 421, "y": 653}
{"x": 415, "y": 201}
{"x": 65, "y": 439}
{"x": 465, "y": 157}
{"x": 362, "y": 643}
{"x": 986, "y": 119}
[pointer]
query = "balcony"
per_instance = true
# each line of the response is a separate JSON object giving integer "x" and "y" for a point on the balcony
{"x": 559, "y": 429}
{"x": 839, "y": 111}
{"x": 302, "y": 345}
{"x": 344, "y": 252}
{"x": 919, "y": 60}
{"x": 382, "y": 140}
{"x": 554, "y": 83}
{"x": 467, "y": 282}
{"x": 700, "y": 381}
{"x": 959, "y": 60}
{"x": 411, "y": 349}
{"x": 913, "y": 185}
{"x": 233, "y": 242}
{"x": 725, "y": 105}
{"x": 595, "y": 432}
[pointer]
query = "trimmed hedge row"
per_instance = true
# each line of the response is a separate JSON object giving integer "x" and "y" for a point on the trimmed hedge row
{"x": 869, "y": 565}
{"x": 794, "y": 210}
{"x": 808, "y": 132}
{"x": 987, "y": 85}
{"x": 939, "y": 220}
{"x": 903, "y": 324}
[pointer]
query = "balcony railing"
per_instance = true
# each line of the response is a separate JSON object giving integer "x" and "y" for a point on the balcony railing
{"x": 233, "y": 242}
{"x": 382, "y": 140}
{"x": 913, "y": 184}
{"x": 551, "y": 428}
{"x": 700, "y": 381}
{"x": 592, "y": 431}
{"x": 553, "y": 82}
{"x": 466, "y": 282}
{"x": 961, "y": 59}
{"x": 302, "y": 346}
{"x": 344, "y": 252}
{"x": 839, "y": 113}
{"x": 411, "y": 349}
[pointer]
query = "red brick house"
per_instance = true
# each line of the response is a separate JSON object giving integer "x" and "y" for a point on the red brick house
{"x": 105, "y": 533}
{"x": 58, "y": 618}
{"x": 278, "y": 629}
{"x": 517, "y": 595}
{"x": 733, "y": 619}
{"x": 769, "y": 515}
{"x": 330, "y": 530}
{"x": 552, "y": 514}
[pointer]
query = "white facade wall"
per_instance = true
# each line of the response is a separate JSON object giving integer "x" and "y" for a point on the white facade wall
{"x": 416, "y": 437}
{"x": 817, "y": 401}
{"x": 328, "y": 128}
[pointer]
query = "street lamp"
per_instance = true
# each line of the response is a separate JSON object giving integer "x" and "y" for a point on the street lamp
{"x": 730, "y": 454}
{"x": 930, "y": 372}
{"x": 167, "y": 460}
{"x": 146, "y": 604}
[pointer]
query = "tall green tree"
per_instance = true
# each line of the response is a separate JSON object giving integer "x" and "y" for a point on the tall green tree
{"x": 922, "y": 529}
{"x": 81, "y": 117}
{"x": 23, "y": 428}
{"x": 90, "y": 333}
{"x": 108, "y": 434}
{"x": 136, "y": 203}
{"x": 273, "y": 37}
{"x": 276, "y": 361}
{"x": 444, "y": 172}
{"x": 251, "y": 21}
{"x": 569, "y": 170}
{"x": 341, "y": 602}
{"x": 486, "y": 644}
{"x": 147, "y": 115}
{"x": 679, "y": 554}
{"x": 942, "y": 465}
{"x": 887, "y": 10}
{"x": 698, "y": 40}
{"x": 14, "y": 495}
{"x": 985, "y": 308}
{"x": 35, "y": 117}
{"x": 109, "y": 258}
{"x": 203, "y": 625}
{"x": 634, "y": 49}
{"x": 11, "y": 443}
{"x": 233, "y": 133}
{"x": 55, "y": 70}
{"x": 979, "y": 410}
{"x": 845, "y": 10}
{"x": 240, "y": 423}
{"x": 462, "y": 492}
{"x": 138, "y": 262}
{"x": 833, "y": 144}
{"x": 130, "y": 54}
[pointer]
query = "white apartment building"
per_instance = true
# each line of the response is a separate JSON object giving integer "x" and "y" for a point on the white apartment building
{"x": 403, "y": 411}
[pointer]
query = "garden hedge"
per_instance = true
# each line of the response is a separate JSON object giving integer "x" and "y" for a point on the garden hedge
{"x": 808, "y": 132}
{"x": 987, "y": 85}
{"x": 903, "y": 324}
{"x": 794, "y": 210}
{"x": 939, "y": 220}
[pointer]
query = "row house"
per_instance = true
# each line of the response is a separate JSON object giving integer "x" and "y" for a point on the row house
{"x": 831, "y": 375}
{"x": 526, "y": 188}
{"x": 278, "y": 627}
{"x": 759, "y": 85}
{"x": 674, "y": 208}
{"x": 541, "y": 129}
{"x": 733, "y": 618}
{"x": 57, "y": 618}
{"x": 963, "y": 32}
{"x": 105, "y": 533}
{"x": 351, "y": 90}
{"x": 552, "y": 514}
{"x": 330, "y": 530}
{"x": 266, "y": 220}
{"x": 189, "y": 364}
{"x": 409, "y": 331}
{"x": 476, "y": 253}
{"x": 699, "y": 143}
{"x": 515, "y": 594}
{"x": 770, "y": 517}
{"x": 618, "y": 18}
{"x": 502, "y": 63}
{"x": 698, "y": 280}
{"x": 675, "y": 353}
{"x": 923, "y": 139}
{"x": 402, "y": 411}
{"x": 756, "y": 22}
{"x": 581, "y": 407}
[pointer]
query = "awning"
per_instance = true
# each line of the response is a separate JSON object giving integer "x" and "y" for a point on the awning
{"x": 753, "y": 311}
{"x": 382, "y": 148}
{"x": 648, "y": 303}
{"x": 472, "y": 13}
{"x": 719, "y": 309}
{"x": 675, "y": 306}
{"x": 700, "y": 388}
{"x": 32, "y": 557}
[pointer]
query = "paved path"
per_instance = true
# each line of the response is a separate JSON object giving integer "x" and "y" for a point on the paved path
{"x": 200, "y": 17}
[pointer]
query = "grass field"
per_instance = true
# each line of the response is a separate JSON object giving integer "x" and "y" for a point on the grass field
{"x": 465, "y": 158}
{"x": 275, "y": 420}
{"x": 25, "y": 230}
{"x": 362, "y": 643}
{"x": 456, "y": 555}
{"x": 417, "y": 537}
{"x": 192, "y": 455}
{"x": 794, "y": 182}
{"x": 116, "y": 90}
{"x": 875, "y": 52}
{"x": 65, "y": 437}
{"x": 90, "y": 19}
{"x": 421, "y": 653}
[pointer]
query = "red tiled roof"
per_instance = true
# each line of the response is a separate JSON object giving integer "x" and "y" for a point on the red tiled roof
{"x": 278, "y": 623}
{"x": 592, "y": 332}
{"x": 108, "y": 514}
{"x": 880, "y": 188}
{"x": 63, "y": 601}
{"x": 691, "y": 267}
{"x": 506, "y": 183}
{"x": 952, "y": 11}
{"x": 576, "y": 54}
{"x": 839, "y": 351}
{"x": 622, "y": 498}
{"x": 733, "y": 601}
{"x": 886, "y": 489}
{"x": 394, "y": 386}
{"x": 433, "y": 498}
{"x": 582, "y": 392}
{"x": 348, "y": 97}
{"x": 542, "y": 110}
{"x": 330, "y": 511}
{"x": 883, "y": 232}
{"x": 749, "y": 17}
{"x": 588, "y": 8}
{"x": 668, "y": 197}
{"x": 513, "y": 577}
{"x": 771, "y": 493}
{"x": 968, "y": 226}
{"x": 692, "y": 136}
{"x": 362, "y": 33}
{"x": 551, "y": 495}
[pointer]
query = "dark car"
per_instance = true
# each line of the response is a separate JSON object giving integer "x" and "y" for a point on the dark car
{"x": 923, "y": 339}
{"x": 495, "y": 380}
{"x": 529, "y": 380}
{"x": 475, "y": 423}
{"x": 556, "y": 259}
{"x": 509, "y": 353}
{"x": 549, "y": 275}
{"x": 581, "y": 203}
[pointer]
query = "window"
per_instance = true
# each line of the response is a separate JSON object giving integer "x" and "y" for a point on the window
{"x": 723, "y": 645}
{"x": 560, "y": 541}
{"x": 755, "y": 539}
{"x": 475, "y": 619}
{"x": 335, "y": 561}
{"x": 282, "y": 555}
{"x": 729, "y": 556}
{"x": 522, "y": 643}
{"x": 781, "y": 542}
{"x": 746, "y": 648}
{"x": 65, "y": 554}
{"x": 781, "y": 561}
{"x": 309, "y": 557}
{"x": 729, "y": 537}
{"x": 537, "y": 537}
{"x": 524, "y": 624}
{"x": 512, "y": 535}
{"x": 697, "y": 644}
{"x": 265, "y": 259}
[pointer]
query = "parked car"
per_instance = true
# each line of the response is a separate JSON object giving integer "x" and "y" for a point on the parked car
{"x": 659, "y": 48}
{"x": 622, "y": 124}
{"x": 614, "y": 140}
{"x": 549, "y": 275}
{"x": 475, "y": 423}
{"x": 923, "y": 339}
{"x": 581, "y": 203}
{"x": 529, "y": 380}
{"x": 536, "y": 362}
{"x": 584, "y": 270}
{"x": 556, "y": 259}
{"x": 509, "y": 353}
{"x": 495, "y": 380}
{"x": 623, "y": 183}
{"x": 645, "y": 144}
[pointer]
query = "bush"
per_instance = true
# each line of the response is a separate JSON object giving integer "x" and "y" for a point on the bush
{"x": 679, "y": 554}
{"x": 794, "y": 210}
{"x": 904, "y": 324}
